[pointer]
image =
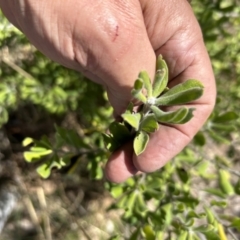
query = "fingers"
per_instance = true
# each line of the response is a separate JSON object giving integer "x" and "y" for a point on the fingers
{"x": 187, "y": 58}
{"x": 120, "y": 166}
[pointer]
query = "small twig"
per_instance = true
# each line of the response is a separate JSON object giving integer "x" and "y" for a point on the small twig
{"x": 229, "y": 230}
{"x": 33, "y": 215}
{"x": 15, "y": 67}
{"x": 46, "y": 220}
{"x": 31, "y": 210}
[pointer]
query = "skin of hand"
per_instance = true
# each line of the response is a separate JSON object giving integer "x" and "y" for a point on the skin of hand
{"x": 110, "y": 42}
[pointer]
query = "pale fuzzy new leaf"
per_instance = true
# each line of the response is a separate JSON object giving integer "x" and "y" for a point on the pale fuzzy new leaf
{"x": 137, "y": 91}
{"x": 161, "y": 77}
{"x": 180, "y": 116}
{"x": 140, "y": 142}
{"x": 181, "y": 93}
{"x": 146, "y": 81}
{"x": 138, "y": 84}
{"x": 132, "y": 119}
{"x": 139, "y": 96}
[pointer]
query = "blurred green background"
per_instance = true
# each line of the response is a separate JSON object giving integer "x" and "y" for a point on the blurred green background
{"x": 41, "y": 98}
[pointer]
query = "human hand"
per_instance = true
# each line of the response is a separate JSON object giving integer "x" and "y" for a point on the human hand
{"x": 111, "y": 42}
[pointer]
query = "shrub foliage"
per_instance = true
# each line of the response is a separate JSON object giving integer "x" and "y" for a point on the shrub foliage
{"x": 187, "y": 197}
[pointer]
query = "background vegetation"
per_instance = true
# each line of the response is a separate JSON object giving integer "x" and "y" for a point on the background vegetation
{"x": 47, "y": 108}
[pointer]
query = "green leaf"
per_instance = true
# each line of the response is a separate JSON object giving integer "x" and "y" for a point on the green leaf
{"x": 236, "y": 223}
{"x": 168, "y": 214}
{"x": 161, "y": 77}
{"x": 139, "y": 96}
{"x": 183, "y": 175}
{"x": 202, "y": 167}
{"x": 146, "y": 81}
{"x": 168, "y": 117}
{"x": 189, "y": 201}
{"x": 199, "y": 139}
{"x": 210, "y": 216}
{"x": 110, "y": 143}
{"x": 187, "y": 117}
{"x": 135, "y": 234}
{"x": 237, "y": 187}
{"x": 44, "y": 170}
{"x": 215, "y": 192}
{"x": 131, "y": 199}
{"x": 116, "y": 191}
{"x": 183, "y": 235}
{"x": 148, "y": 232}
{"x": 31, "y": 156}
{"x": 211, "y": 235}
{"x": 180, "y": 116}
{"x": 140, "y": 204}
{"x": 221, "y": 204}
{"x": 132, "y": 119}
{"x": 27, "y": 141}
{"x": 149, "y": 124}
{"x": 138, "y": 85}
{"x": 70, "y": 137}
{"x": 224, "y": 182}
{"x": 217, "y": 137}
{"x": 129, "y": 108}
{"x": 226, "y": 117}
{"x": 204, "y": 228}
{"x": 137, "y": 91}
{"x": 119, "y": 131}
{"x": 193, "y": 214}
{"x": 140, "y": 142}
{"x": 122, "y": 202}
{"x": 223, "y": 127}
{"x": 182, "y": 93}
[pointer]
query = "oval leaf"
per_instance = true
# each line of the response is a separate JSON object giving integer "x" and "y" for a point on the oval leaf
{"x": 146, "y": 81}
{"x": 44, "y": 170}
{"x": 27, "y": 141}
{"x": 119, "y": 131}
{"x": 149, "y": 124}
{"x": 137, "y": 91}
{"x": 181, "y": 93}
{"x": 161, "y": 77}
{"x": 132, "y": 119}
{"x": 140, "y": 142}
{"x": 149, "y": 233}
{"x": 138, "y": 84}
{"x": 226, "y": 117}
{"x": 180, "y": 116}
{"x": 224, "y": 182}
{"x": 199, "y": 139}
{"x": 139, "y": 96}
